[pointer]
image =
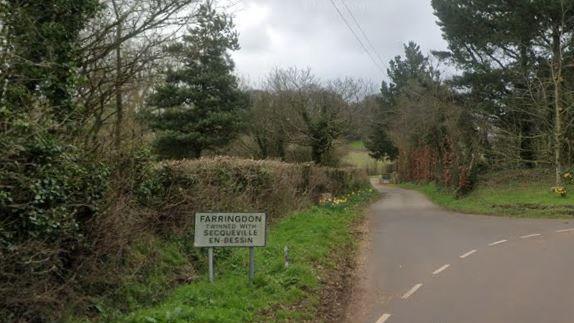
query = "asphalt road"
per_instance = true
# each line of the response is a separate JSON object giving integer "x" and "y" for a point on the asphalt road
{"x": 421, "y": 263}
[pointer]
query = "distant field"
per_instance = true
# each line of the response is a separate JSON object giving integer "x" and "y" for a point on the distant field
{"x": 357, "y": 155}
{"x": 358, "y": 145}
{"x": 508, "y": 193}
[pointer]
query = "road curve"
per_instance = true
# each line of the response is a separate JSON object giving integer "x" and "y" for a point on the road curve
{"x": 421, "y": 263}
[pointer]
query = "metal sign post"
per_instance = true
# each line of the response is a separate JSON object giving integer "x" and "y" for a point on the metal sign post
{"x": 230, "y": 230}
{"x": 211, "y": 269}
{"x": 251, "y": 264}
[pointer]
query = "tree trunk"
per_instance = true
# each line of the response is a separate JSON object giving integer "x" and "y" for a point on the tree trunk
{"x": 527, "y": 127}
{"x": 281, "y": 143}
{"x": 4, "y": 51}
{"x": 316, "y": 156}
{"x": 527, "y": 154}
{"x": 98, "y": 120}
{"x": 263, "y": 145}
{"x": 118, "y": 83}
{"x": 558, "y": 108}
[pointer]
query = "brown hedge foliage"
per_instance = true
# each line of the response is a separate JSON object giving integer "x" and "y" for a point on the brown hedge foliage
{"x": 226, "y": 184}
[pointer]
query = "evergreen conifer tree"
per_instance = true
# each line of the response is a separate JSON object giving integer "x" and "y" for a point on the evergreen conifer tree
{"x": 200, "y": 105}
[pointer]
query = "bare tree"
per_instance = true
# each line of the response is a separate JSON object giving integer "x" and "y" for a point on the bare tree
{"x": 297, "y": 108}
{"x": 122, "y": 54}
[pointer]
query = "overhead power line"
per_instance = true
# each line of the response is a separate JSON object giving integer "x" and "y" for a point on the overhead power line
{"x": 365, "y": 48}
{"x": 369, "y": 42}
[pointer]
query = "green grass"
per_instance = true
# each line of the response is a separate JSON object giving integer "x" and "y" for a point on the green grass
{"x": 509, "y": 193}
{"x": 357, "y": 155}
{"x": 278, "y": 293}
{"x": 358, "y": 145}
{"x": 159, "y": 263}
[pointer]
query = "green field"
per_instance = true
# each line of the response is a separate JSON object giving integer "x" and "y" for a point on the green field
{"x": 315, "y": 239}
{"x": 357, "y": 155}
{"x": 508, "y": 193}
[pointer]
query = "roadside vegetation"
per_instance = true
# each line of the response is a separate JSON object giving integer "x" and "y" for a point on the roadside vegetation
{"x": 515, "y": 193}
{"x": 507, "y": 110}
{"x": 140, "y": 246}
{"x": 115, "y": 115}
{"x": 113, "y": 118}
{"x": 317, "y": 240}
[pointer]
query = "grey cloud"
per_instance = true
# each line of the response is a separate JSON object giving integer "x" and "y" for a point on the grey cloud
{"x": 309, "y": 33}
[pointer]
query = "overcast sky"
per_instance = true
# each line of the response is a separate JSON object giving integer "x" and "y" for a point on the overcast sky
{"x": 310, "y": 33}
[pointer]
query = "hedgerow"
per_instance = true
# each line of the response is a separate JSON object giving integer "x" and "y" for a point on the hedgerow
{"x": 79, "y": 235}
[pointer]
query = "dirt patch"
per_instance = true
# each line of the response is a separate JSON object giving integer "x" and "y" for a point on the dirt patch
{"x": 336, "y": 281}
{"x": 359, "y": 295}
{"x": 339, "y": 281}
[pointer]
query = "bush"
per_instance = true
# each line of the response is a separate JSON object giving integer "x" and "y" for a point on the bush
{"x": 48, "y": 190}
{"x": 48, "y": 193}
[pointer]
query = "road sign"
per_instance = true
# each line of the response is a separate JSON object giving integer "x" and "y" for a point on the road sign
{"x": 230, "y": 229}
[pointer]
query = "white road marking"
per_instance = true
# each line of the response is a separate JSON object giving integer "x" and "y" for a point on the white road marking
{"x": 467, "y": 254}
{"x": 531, "y": 236}
{"x": 497, "y": 243}
{"x": 565, "y": 230}
{"x": 441, "y": 269}
{"x": 384, "y": 318}
{"x": 412, "y": 291}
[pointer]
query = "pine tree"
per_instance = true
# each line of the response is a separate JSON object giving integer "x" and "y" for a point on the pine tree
{"x": 379, "y": 144}
{"x": 414, "y": 67}
{"x": 405, "y": 72}
{"x": 492, "y": 42}
{"x": 522, "y": 44}
{"x": 200, "y": 105}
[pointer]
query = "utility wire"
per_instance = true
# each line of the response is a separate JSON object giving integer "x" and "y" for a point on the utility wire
{"x": 363, "y": 32}
{"x": 365, "y": 48}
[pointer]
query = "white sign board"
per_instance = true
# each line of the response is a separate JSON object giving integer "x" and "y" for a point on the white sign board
{"x": 230, "y": 230}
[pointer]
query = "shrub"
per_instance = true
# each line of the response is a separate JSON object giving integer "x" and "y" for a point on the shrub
{"x": 48, "y": 190}
{"x": 48, "y": 193}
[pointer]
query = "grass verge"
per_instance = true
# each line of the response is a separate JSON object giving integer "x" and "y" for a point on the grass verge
{"x": 510, "y": 193}
{"x": 278, "y": 293}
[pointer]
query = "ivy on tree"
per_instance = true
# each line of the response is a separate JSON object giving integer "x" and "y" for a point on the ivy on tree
{"x": 200, "y": 105}
{"x": 49, "y": 187}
